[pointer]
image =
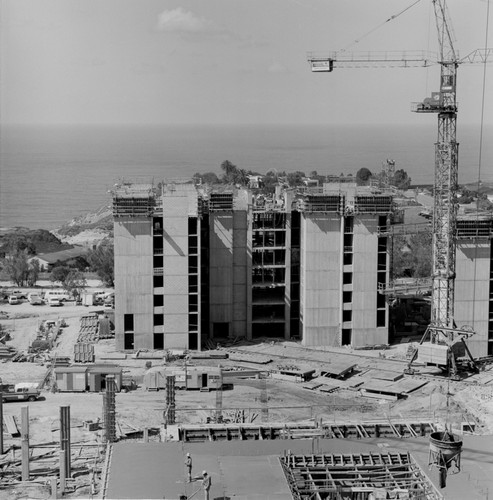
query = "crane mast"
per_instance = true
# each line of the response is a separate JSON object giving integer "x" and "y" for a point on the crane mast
{"x": 446, "y": 177}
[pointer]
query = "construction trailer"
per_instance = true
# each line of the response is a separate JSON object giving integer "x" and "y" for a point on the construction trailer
{"x": 71, "y": 378}
{"x": 202, "y": 378}
{"x": 90, "y": 378}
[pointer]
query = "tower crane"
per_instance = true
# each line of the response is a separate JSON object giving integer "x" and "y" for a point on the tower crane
{"x": 444, "y": 221}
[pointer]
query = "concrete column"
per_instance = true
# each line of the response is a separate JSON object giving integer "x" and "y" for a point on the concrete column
{"x": 25, "y": 442}
{"x": 63, "y": 475}
{"x": 146, "y": 435}
{"x": 65, "y": 436}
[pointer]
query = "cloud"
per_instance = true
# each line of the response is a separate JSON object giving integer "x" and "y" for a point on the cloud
{"x": 183, "y": 21}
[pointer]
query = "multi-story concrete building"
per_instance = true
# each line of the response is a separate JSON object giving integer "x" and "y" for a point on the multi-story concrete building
{"x": 473, "y": 304}
{"x": 195, "y": 263}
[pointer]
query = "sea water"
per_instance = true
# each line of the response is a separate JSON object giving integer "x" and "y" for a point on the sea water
{"x": 48, "y": 175}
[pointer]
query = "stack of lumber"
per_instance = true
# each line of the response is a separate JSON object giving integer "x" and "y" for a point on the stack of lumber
{"x": 89, "y": 329}
{"x": 7, "y": 352}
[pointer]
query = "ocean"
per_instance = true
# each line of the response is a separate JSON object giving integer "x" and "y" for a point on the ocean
{"x": 49, "y": 175}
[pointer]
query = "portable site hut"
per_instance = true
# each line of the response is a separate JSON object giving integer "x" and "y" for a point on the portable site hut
{"x": 71, "y": 378}
{"x": 193, "y": 377}
{"x": 96, "y": 376}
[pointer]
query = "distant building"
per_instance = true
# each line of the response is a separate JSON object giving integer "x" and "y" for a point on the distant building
{"x": 193, "y": 265}
{"x": 49, "y": 260}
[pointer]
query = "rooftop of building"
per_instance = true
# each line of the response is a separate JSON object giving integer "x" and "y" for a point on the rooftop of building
{"x": 251, "y": 470}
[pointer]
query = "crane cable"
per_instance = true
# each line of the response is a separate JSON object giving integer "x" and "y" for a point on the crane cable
{"x": 480, "y": 154}
{"x": 391, "y": 18}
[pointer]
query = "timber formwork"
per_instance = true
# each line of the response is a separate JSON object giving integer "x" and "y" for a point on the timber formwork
{"x": 134, "y": 200}
{"x": 373, "y": 204}
{"x": 245, "y": 432}
{"x": 356, "y": 476}
{"x": 220, "y": 201}
{"x": 322, "y": 203}
{"x": 474, "y": 228}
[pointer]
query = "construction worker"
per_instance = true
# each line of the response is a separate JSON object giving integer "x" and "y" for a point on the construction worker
{"x": 188, "y": 465}
{"x": 206, "y": 484}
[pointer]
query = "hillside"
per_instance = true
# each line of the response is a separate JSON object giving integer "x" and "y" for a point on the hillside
{"x": 36, "y": 241}
{"x": 88, "y": 229}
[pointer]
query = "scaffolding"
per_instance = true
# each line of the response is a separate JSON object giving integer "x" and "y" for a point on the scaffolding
{"x": 109, "y": 410}
{"x": 475, "y": 227}
{"x": 134, "y": 200}
{"x": 373, "y": 204}
{"x": 356, "y": 476}
{"x": 312, "y": 202}
{"x": 220, "y": 201}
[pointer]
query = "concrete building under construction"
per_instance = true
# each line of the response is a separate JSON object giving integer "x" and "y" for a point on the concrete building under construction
{"x": 196, "y": 263}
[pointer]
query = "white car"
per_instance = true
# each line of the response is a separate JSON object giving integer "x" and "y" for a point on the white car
{"x": 13, "y": 299}
{"x": 34, "y": 299}
{"x": 54, "y": 302}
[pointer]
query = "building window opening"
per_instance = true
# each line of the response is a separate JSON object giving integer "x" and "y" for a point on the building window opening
{"x": 159, "y": 341}
{"x": 346, "y": 336}
{"x": 128, "y": 322}
{"x": 128, "y": 341}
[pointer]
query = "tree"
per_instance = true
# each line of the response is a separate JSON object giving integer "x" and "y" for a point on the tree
{"x": 207, "y": 178}
{"x": 230, "y": 170}
{"x": 59, "y": 274}
{"x": 363, "y": 176}
{"x": 75, "y": 283}
{"x": 412, "y": 256}
{"x": 101, "y": 261}
{"x": 295, "y": 178}
{"x": 401, "y": 180}
{"x": 33, "y": 272}
{"x": 16, "y": 266}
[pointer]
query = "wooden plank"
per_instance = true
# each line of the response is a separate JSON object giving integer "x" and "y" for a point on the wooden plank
{"x": 11, "y": 425}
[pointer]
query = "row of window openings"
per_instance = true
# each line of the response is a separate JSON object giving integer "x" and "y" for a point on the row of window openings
{"x": 267, "y": 220}
{"x": 269, "y": 239}
{"x": 193, "y": 321}
{"x": 269, "y": 258}
{"x": 193, "y": 248}
{"x": 193, "y": 282}
{"x": 193, "y": 263}
{"x": 347, "y": 317}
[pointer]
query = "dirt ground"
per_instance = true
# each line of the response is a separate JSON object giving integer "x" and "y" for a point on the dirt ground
{"x": 470, "y": 400}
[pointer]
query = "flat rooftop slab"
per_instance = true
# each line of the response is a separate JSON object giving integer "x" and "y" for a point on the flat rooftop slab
{"x": 250, "y": 470}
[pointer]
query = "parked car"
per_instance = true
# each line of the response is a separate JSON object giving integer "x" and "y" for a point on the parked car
{"x": 14, "y": 300}
{"x": 19, "y": 294}
{"x": 34, "y": 299}
{"x": 54, "y": 302}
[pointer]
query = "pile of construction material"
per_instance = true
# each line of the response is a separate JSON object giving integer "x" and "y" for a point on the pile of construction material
{"x": 7, "y": 352}
{"x": 89, "y": 329}
{"x": 84, "y": 352}
{"x": 94, "y": 327}
{"x": 46, "y": 336}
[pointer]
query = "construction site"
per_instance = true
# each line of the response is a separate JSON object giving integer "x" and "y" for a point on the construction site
{"x": 252, "y": 352}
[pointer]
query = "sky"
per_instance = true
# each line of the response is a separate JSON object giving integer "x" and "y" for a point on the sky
{"x": 151, "y": 62}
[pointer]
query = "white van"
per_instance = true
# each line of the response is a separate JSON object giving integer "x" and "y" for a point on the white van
{"x": 61, "y": 295}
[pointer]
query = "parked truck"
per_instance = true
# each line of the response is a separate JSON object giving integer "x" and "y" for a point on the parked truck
{"x": 11, "y": 392}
